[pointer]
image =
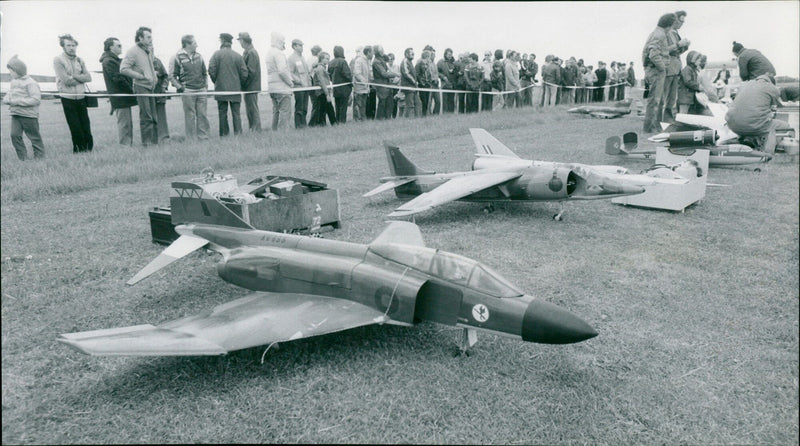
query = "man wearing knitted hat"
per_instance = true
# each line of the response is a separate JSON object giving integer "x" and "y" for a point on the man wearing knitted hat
{"x": 23, "y": 98}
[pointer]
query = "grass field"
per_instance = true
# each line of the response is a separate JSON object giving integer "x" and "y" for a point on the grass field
{"x": 697, "y": 312}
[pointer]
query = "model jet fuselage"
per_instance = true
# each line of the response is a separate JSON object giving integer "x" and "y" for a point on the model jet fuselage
{"x": 407, "y": 283}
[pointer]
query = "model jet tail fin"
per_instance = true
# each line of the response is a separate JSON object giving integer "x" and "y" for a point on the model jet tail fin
{"x": 399, "y": 165}
{"x": 486, "y": 144}
{"x": 181, "y": 247}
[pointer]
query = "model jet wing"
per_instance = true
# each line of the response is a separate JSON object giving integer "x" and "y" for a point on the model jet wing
{"x": 400, "y": 232}
{"x": 391, "y": 184}
{"x": 487, "y": 144}
{"x": 454, "y": 189}
{"x": 258, "y": 319}
{"x": 183, "y": 246}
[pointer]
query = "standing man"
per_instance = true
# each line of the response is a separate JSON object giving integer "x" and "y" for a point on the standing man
{"x": 189, "y": 75}
{"x": 676, "y": 46}
{"x": 228, "y": 73}
{"x": 473, "y": 77}
{"x": 23, "y": 99}
{"x": 301, "y": 78}
{"x": 253, "y": 64}
{"x": 116, "y": 83}
{"x": 600, "y": 83}
{"x": 486, "y": 85}
{"x": 551, "y": 78}
{"x": 383, "y": 78}
{"x": 279, "y": 82}
{"x": 655, "y": 57}
{"x": 138, "y": 65}
{"x": 71, "y": 78}
{"x": 339, "y": 72}
{"x": 162, "y": 82}
{"x": 361, "y": 74}
{"x": 447, "y": 77}
{"x": 408, "y": 78}
{"x": 436, "y": 96}
{"x": 312, "y": 62}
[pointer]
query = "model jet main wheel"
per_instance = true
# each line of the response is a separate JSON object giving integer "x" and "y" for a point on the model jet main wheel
{"x": 557, "y": 217}
{"x": 488, "y": 209}
{"x": 757, "y": 169}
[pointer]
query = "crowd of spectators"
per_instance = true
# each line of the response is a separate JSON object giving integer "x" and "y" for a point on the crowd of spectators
{"x": 372, "y": 83}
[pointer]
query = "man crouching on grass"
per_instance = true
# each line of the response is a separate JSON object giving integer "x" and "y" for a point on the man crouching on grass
{"x": 23, "y": 98}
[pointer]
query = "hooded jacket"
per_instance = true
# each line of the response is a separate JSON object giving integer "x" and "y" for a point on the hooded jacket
{"x": 339, "y": 71}
{"x": 116, "y": 82}
{"x": 689, "y": 84}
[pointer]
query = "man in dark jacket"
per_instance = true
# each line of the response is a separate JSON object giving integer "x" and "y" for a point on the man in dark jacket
{"x": 752, "y": 63}
{"x": 253, "y": 83}
{"x": 382, "y": 76}
{"x": 339, "y": 71}
{"x": 448, "y": 73}
{"x": 602, "y": 78}
{"x": 228, "y": 73}
{"x": 116, "y": 83}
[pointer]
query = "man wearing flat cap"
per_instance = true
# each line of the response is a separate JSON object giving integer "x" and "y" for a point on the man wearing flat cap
{"x": 253, "y": 83}
{"x": 229, "y": 73}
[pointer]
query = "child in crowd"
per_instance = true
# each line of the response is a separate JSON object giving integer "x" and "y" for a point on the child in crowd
{"x": 23, "y": 98}
{"x": 689, "y": 82}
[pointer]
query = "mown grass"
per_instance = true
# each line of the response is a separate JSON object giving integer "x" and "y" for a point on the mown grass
{"x": 697, "y": 311}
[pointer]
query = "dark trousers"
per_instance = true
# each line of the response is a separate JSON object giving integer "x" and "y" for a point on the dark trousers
{"x": 148, "y": 116}
{"x": 314, "y": 111}
{"x": 486, "y": 98}
{"x": 462, "y": 102}
{"x": 359, "y": 106}
{"x": 323, "y": 108}
{"x": 341, "y": 108}
{"x": 162, "y": 128}
{"x": 79, "y": 125}
{"x": 236, "y": 117}
{"x": 29, "y": 126}
{"x": 251, "y": 109}
{"x": 448, "y": 102}
{"x": 471, "y": 102}
{"x": 385, "y": 106}
{"x": 300, "y": 109}
{"x": 372, "y": 101}
{"x": 424, "y": 98}
{"x": 436, "y": 98}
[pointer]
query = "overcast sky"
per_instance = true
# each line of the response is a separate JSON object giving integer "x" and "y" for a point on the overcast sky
{"x": 590, "y": 30}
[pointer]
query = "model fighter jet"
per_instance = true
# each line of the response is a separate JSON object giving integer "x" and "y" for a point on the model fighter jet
{"x": 310, "y": 286}
{"x": 598, "y": 111}
{"x": 500, "y": 175}
{"x": 685, "y": 144}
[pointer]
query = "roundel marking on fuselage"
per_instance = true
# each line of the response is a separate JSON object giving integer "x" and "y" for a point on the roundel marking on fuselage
{"x": 480, "y": 313}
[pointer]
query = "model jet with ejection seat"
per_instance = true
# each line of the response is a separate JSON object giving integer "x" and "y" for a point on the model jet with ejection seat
{"x": 312, "y": 286}
{"x": 606, "y": 112}
{"x": 499, "y": 175}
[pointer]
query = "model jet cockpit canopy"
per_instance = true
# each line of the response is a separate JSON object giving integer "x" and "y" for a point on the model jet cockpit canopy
{"x": 450, "y": 267}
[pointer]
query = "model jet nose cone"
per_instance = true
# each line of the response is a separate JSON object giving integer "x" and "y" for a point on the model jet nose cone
{"x": 546, "y": 323}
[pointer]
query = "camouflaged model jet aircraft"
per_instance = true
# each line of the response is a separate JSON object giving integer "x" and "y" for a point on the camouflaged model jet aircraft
{"x": 685, "y": 144}
{"x": 598, "y": 111}
{"x": 500, "y": 175}
{"x": 311, "y": 286}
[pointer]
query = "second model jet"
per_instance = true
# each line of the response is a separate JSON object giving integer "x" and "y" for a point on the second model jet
{"x": 498, "y": 174}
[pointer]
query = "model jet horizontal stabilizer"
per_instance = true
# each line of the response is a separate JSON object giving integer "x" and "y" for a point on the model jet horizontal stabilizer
{"x": 181, "y": 247}
{"x": 258, "y": 319}
{"x": 388, "y": 186}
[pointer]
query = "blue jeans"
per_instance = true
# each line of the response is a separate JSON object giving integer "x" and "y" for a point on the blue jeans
{"x": 148, "y": 120}
{"x": 30, "y": 126}
{"x": 195, "y": 115}
{"x": 655, "y": 101}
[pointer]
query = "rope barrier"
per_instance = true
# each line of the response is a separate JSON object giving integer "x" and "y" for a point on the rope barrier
{"x": 317, "y": 87}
